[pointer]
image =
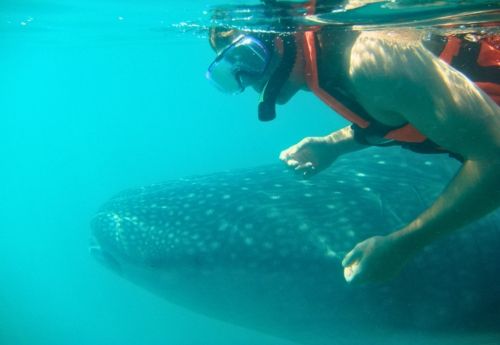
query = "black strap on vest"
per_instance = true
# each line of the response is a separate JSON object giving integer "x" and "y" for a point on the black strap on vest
{"x": 466, "y": 59}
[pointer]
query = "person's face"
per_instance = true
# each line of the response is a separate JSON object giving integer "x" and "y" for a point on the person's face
{"x": 245, "y": 62}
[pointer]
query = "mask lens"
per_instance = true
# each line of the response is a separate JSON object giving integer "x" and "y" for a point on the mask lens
{"x": 239, "y": 65}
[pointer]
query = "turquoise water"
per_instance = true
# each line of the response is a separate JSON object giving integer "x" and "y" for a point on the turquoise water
{"x": 91, "y": 105}
{"x": 96, "y": 97}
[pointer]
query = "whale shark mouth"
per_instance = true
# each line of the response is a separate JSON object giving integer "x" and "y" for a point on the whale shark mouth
{"x": 103, "y": 257}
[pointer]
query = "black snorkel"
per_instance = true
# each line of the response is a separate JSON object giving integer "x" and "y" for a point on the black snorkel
{"x": 269, "y": 95}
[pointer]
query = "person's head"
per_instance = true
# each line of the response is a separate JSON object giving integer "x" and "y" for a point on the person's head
{"x": 263, "y": 60}
{"x": 243, "y": 59}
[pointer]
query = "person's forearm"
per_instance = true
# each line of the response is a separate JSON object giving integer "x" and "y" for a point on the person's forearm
{"x": 473, "y": 193}
{"x": 343, "y": 141}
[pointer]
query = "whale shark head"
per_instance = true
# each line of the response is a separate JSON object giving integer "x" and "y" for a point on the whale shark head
{"x": 262, "y": 249}
{"x": 213, "y": 243}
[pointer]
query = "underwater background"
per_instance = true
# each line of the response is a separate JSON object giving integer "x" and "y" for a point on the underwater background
{"x": 96, "y": 97}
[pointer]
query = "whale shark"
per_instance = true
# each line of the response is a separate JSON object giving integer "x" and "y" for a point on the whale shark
{"x": 262, "y": 248}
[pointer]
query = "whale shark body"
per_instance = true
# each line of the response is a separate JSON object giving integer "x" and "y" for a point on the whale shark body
{"x": 262, "y": 249}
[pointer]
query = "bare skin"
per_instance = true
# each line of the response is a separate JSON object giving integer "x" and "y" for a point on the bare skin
{"x": 443, "y": 105}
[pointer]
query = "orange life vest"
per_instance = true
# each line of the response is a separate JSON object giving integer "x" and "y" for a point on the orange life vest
{"x": 482, "y": 68}
{"x": 479, "y": 61}
{"x": 477, "y": 58}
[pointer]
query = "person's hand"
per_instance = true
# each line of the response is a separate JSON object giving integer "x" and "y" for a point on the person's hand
{"x": 376, "y": 259}
{"x": 309, "y": 156}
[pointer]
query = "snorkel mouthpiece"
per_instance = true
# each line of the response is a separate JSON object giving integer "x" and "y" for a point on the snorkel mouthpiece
{"x": 266, "y": 109}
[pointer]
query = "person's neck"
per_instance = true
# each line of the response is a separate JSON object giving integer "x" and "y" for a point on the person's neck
{"x": 297, "y": 80}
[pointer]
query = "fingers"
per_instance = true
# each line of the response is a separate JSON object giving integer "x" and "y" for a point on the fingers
{"x": 305, "y": 170}
{"x": 299, "y": 157}
{"x": 351, "y": 264}
{"x": 351, "y": 273}
{"x": 292, "y": 151}
{"x": 289, "y": 153}
{"x": 351, "y": 257}
{"x": 285, "y": 155}
{"x": 292, "y": 163}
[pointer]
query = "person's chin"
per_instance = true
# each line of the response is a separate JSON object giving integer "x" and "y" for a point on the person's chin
{"x": 258, "y": 89}
{"x": 285, "y": 96}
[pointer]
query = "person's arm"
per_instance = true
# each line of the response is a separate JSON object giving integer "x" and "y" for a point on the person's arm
{"x": 313, "y": 154}
{"x": 473, "y": 193}
{"x": 449, "y": 109}
{"x": 465, "y": 121}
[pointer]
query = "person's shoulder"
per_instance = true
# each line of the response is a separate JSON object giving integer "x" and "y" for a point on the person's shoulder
{"x": 385, "y": 51}
{"x": 402, "y": 37}
{"x": 389, "y": 62}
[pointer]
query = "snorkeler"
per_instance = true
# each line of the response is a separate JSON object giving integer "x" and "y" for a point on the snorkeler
{"x": 433, "y": 95}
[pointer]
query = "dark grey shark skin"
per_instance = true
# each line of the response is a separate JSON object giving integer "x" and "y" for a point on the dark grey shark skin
{"x": 262, "y": 248}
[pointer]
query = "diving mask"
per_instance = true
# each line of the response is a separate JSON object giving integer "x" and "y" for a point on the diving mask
{"x": 240, "y": 64}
